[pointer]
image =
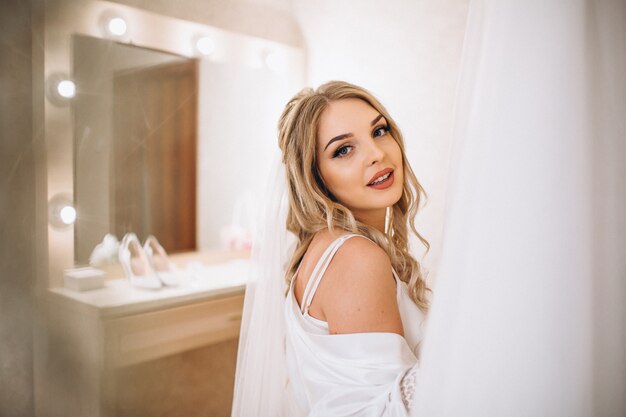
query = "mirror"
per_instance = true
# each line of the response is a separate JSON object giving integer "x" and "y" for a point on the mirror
{"x": 161, "y": 159}
{"x": 135, "y": 144}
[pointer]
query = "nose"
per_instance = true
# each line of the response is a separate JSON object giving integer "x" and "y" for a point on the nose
{"x": 375, "y": 152}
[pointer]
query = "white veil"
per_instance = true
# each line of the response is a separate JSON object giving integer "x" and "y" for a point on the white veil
{"x": 261, "y": 377}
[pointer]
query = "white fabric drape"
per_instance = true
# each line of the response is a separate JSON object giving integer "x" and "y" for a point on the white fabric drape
{"x": 528, "y": 316}
{"x": 261, "y": 377}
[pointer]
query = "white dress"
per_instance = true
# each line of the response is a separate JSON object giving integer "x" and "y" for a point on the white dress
{"x": 359, "y": 374}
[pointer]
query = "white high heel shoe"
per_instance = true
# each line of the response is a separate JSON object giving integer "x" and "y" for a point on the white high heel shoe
{"x": 165, "y": 269}
{"x": 136, "y": 265}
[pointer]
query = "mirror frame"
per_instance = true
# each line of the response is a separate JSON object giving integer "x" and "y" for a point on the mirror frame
{"x": 64, "y": 18}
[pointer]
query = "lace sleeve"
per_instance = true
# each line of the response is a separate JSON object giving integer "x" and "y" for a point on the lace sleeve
{"x": 407, "y": 386}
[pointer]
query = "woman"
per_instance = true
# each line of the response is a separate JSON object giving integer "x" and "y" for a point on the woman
{"x": 356, "y": 298}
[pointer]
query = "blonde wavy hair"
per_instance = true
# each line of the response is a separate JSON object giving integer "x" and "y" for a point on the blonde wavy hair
{"x": 313, "y": 208}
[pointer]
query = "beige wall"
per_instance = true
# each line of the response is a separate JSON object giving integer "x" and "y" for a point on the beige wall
{"x": 239, "y": 108}
{"x": 17, "y": 210}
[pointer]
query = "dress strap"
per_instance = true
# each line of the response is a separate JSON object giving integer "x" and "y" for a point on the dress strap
{"x": 320, "y": 269}
{"x": 316, "y": 269}
{"x": 395, "y": 275}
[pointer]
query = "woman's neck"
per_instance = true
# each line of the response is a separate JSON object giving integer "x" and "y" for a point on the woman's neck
{"x": 373, "y": 218}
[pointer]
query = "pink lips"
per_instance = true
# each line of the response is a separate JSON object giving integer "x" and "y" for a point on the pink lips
{"x": 379, "y": 174}
{"x": 386, "y": 183}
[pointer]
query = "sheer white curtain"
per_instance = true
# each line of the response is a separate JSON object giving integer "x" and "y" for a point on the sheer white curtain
{"x": 528, "y": 316}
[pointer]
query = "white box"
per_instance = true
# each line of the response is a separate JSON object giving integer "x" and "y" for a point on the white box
{"x": 83, "y": 279}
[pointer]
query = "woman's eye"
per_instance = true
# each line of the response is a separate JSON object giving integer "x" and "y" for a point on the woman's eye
{"x": 342, "y": 151}
{"x": 381, "y": 131}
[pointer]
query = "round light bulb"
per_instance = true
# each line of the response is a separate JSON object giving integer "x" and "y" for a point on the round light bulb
{"x": 205, "y": 45}
{"x": 67, "y": 215}
{"x": 117, "y": 26}
{"x": 61, "y": 211}
{"x": 66, "y": 88}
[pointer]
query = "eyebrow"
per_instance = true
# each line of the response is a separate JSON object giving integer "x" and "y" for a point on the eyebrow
{"x": 348, "y": 135}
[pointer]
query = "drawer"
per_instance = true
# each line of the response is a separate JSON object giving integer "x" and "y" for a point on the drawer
{"x": 142, "y": 337}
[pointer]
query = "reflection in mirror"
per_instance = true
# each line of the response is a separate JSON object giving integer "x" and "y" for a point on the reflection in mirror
{"x": 135, "y": 120}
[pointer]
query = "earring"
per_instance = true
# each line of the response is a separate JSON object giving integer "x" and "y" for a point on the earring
{"x": 388, "y": 213}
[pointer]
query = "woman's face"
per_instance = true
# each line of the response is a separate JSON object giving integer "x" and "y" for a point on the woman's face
{"x": 358, "y": 159}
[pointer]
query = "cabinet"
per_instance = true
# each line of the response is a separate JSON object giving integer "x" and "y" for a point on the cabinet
{"x": 87, "y": 336}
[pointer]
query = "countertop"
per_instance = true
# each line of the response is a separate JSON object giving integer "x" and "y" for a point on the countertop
{"x": 202, "y": 276}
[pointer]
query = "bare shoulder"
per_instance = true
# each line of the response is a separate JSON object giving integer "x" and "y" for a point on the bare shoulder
{"x": 358, "y": 291}
{"x": 359, "y": 253}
